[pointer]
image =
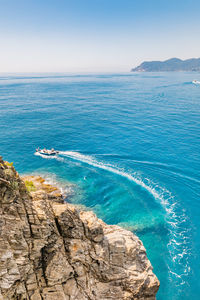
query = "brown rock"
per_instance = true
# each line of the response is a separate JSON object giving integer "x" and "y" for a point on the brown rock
{"x": 49, "y": 250}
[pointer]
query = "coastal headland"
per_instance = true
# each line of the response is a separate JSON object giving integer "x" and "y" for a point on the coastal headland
{"x": 49, "y": 249}
{"x": 169, "y": 65}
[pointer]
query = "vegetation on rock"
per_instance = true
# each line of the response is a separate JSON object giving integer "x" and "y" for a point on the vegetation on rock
{"x": 9, "y": 164}
{"x": 30, "y": 186}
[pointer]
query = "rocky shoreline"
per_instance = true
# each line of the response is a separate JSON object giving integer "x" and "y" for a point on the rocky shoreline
{"x": 51, "y": 250}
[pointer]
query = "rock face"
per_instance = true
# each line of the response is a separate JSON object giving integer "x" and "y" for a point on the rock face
{"x": 49, "y": 250}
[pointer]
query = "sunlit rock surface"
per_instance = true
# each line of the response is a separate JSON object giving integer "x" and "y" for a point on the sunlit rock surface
{"x": 50, "y": 250}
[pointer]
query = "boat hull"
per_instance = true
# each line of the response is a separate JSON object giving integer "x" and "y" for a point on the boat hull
{"x": 48, "y": 153}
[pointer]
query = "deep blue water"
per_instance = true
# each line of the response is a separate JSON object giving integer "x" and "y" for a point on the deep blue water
{"x": 130, "y": 152}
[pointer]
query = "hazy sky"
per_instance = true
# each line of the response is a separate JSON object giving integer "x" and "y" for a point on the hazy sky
{"x": 95, "y": 35}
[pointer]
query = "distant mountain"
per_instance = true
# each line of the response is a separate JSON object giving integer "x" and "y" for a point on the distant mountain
{"x": 173, "y": 64}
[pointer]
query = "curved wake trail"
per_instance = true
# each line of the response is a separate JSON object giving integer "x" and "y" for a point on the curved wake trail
{"x": 178, "y": 245}
{"x": 89, "y": 160}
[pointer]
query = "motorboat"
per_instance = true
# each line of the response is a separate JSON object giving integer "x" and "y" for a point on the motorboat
{"x": 47, "y": 152}
{"x": 196, "y": 82}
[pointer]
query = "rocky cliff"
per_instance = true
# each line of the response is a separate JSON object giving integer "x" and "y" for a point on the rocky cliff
{"x": 50, "y": 250}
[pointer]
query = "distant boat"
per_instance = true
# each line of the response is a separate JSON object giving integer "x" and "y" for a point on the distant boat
{"x": 196, "y": 82}
{"x": 47, "y": 152}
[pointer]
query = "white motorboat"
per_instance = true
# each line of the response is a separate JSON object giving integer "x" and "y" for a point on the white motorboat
{"x": 196, "y": 82}
{"x": 47, "y": 152}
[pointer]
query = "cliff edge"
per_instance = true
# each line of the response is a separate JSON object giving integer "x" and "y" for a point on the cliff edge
{"x": 49, "y": 250}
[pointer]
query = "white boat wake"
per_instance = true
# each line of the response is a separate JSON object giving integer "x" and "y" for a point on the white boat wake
{"x": 93, "y": 162}
{"x": 178, "y": 245}
{"x": 49, "y": 157}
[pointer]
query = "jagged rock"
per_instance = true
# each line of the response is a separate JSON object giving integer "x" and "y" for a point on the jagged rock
{"x": 49, "y": 250}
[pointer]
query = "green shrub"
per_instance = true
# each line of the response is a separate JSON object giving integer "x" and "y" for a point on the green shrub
{"x": 9, "y": 164}
{"x": 30, "y": 186}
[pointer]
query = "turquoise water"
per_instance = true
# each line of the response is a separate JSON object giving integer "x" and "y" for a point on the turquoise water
{"x": 130, "y": 152}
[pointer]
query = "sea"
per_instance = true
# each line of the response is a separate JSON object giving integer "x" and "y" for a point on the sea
{"x": 129, "y": 151}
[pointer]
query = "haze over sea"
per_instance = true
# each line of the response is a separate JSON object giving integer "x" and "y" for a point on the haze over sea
{"x": 129, "y": 151}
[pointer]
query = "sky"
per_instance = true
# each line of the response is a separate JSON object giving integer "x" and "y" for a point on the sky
{"x": 95, "y": 35}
